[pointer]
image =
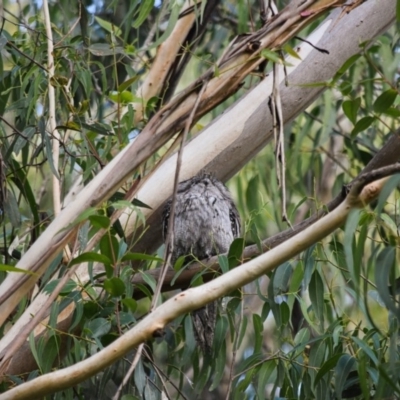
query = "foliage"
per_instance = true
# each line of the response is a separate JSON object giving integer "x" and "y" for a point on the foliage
{"x": 324, "y": 325}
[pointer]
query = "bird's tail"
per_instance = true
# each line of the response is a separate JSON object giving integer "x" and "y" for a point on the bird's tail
{"x": 204, "y": 320}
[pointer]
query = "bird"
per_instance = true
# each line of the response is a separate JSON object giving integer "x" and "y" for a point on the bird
{"x": 206, "y": 223}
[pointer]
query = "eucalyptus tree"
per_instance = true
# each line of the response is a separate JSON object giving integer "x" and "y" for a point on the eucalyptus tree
{"x": 106, "y": 107}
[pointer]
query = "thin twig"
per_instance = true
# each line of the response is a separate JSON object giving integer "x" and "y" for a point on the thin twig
{"x": 26, "y": 56}
{"x": 14, "y": 129}
{"x": 170, "y": 235}
{"x": 282, "y": 156}
{"x": 235, "y": 349}
{"x": 52, "y": 109}
{"x": 130, "y": 371}
{"x": 160, "y": 372}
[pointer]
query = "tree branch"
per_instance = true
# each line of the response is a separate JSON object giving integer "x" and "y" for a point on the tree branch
{"x": 242, "y": 130}
{"x": 195, "y": 298}
{"x": 52, "y": 109}
{"x": 384, "y": 162}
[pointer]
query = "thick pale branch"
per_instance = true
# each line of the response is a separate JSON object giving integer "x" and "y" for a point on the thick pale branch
{"x": 166, "y": 54}
{"x": 383, "y": 160}
{"x": 246, "y": 127}
{"x": 169, "y": 120}
{"x": 184, "y": 302}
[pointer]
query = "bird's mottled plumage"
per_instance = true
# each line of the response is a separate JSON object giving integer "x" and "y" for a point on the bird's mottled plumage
{"x": 206, "y": 223}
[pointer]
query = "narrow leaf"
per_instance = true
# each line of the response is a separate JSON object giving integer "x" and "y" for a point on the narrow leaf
{"x": 145, "y": 8}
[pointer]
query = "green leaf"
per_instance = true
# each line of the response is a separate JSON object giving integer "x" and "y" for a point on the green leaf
{"x": 361, "y": 125}
{"x": 223, "y": 263}
{"x": 301, "y": 339}
{"x": 389, "y": 222}
{"x": 317, "y": 356}
{"x": 67, "y": 288}
{"x": 290, "y": 50}
{"x": 5, "y": 89}
{"x": 149, "y": 279}
{"x": 271, "y": 55}
{"x": 398, "y": 10}
{"x": 296, "y": 278}
{"x": 145, "y": 8}
{"x": 281, "y": 278}
{"x": 384, "y": 266}
{"x": 252, "y": 194}
{"x": 172, "y": 20}
{"x": 344, "y": 366}
{"x": 350, "y": 108}
{"x": 100, "y": 221}
{"x": 129, "y": 397}
{"x": 109, "y": 247}
{"x": 327, "y": 367}
{"x": 140, "y": 257}
{"x": 140, "y": 377}
{"x": 10, "y": 268}
{"x": 98, "y": 327}
{"x": 242, "y": 331}
{"x": 138, "y": 203}
{"x": 258, "y": 333}
{"x": 124, "y": 97}
{"x": 97, "y": 127}
{"x": 124, "y": 85}
{"x": 349, "y": 235}
{"x": 90, "y": 257}
{"x": 392, "y": 112}
{"x": 84, "y": 216}
{"x": 11, "y": 209}
{"x": 219, "y": 366}
{"x": 51, "y": 351}
{"x": 267, "y": 369}
{"x": 28, "y": 132}
{"x": 316, "y": 291}
{"x": 284, "y": 315}
{"x": 108, "y": 26}
{"x": 105, "y": 49}
{"x": 235, "y": 252}
{"x": 367, "y": 350}
{"x": 131, "y": 304}
{"x": 347, "y": 64}
{"x": 33, "y": 348}
{"x": 387, "y": 190}
{"x": 115, "y": 286}
{"x": 385, "y": 101}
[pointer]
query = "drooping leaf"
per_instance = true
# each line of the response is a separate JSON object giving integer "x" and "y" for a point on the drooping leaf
{"x": 145, "y": 8}
{"x": 115, "y": 286}
{"x": 108, "y": 26}
{"x": 385, "y": 100}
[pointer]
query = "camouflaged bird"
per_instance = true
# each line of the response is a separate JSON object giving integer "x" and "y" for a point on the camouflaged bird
{"x": 206, "y": 223}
